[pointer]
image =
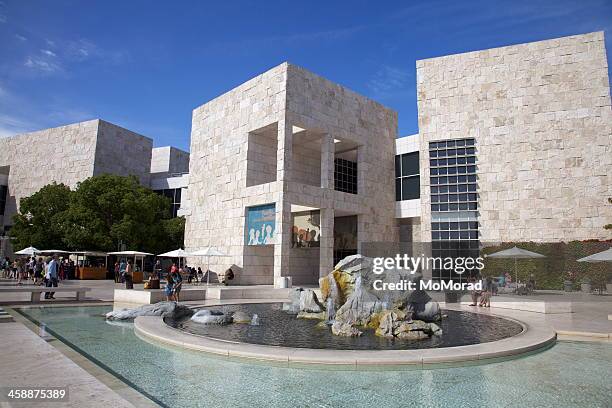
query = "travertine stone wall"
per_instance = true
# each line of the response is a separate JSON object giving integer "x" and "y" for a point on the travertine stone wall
{"x": 284, "y": 97}
{"x": 541, "y": 116}
{"x": 63, "y": 154}
{"x": 316, "y": 104}
{"x": 122, "y": 152}
{"x": 218, "y": 170}
{"x": 168, "y": 159}
{"x": 70, "y": 154}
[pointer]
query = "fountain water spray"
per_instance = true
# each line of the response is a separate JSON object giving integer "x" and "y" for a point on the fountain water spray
{"x": 330, "y": 311}
{"x": 255, "y": 320}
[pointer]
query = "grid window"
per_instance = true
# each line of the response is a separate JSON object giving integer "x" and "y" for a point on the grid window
{"x": 407, "y": 179}
{"x": 345, "y": 176}
{"x": 453, "y": 190}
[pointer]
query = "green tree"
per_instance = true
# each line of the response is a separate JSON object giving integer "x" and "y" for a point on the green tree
{"x": 107, "y": 210}
{"x": 39, "y": 222}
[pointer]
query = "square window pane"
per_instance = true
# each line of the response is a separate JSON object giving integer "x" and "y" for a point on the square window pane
{"x": 410, "y": 164}
{"x": 411, "y": 188}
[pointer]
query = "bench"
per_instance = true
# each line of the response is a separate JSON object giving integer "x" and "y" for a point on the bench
{"x": 36, "y": 291}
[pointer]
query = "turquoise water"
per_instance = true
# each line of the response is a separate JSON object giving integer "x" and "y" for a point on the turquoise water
{"x": 566, "y": 375}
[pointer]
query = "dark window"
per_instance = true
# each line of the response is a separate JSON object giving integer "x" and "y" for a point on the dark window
{"x": 410, "y": 164}
{"x": 3, "y": 191}
{"x": 174, "y": 194}
{"x": 345, "y": 176}
{"x": 407, "y": 182}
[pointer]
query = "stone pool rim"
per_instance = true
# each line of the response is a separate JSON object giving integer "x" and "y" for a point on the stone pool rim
{"x": 533, "y": 337}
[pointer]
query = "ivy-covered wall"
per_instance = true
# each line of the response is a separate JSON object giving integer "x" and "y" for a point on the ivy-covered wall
{"x": 559, "y": 265}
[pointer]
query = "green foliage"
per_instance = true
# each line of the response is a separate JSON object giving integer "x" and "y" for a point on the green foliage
{"x": 45, "y": 209}
{"x": 559, "y": 265}
{"x": 107, "y": 210}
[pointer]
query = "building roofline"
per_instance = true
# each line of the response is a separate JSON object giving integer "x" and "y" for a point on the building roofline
{"x": 601, "y": 32}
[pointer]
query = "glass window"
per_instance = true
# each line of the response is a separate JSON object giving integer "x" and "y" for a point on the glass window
{"x": 410, "y": 164}
{"x": 398, "y": 189}
{"x": 411, "y": 188}
{"x": 398, "y": 166}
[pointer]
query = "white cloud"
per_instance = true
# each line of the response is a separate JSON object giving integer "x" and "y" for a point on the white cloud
{"x": 387, "y": 81}
{"x": 49, "y": 53}
{"x": 20, "y": 37}
{"x": 41, "y": 65}
{"x": 3, "y": 18}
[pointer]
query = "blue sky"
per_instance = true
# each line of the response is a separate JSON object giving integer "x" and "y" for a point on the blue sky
{"x": 146, "y": 65}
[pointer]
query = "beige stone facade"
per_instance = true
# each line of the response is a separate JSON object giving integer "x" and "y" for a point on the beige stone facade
{"x": 70, "y": 154}
{"x": 273, "y": 139}
{"x": 540, "y": 114}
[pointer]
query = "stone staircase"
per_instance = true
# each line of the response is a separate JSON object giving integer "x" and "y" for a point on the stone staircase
{"x": 5, "y": 317}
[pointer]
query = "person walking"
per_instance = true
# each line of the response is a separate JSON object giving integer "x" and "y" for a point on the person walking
{"x": 38, "y": 272}
{"x": 117, "y": 273}
{"x": 177, "y": 280}
{"x": 169, "y": 288}
{"x": 129, "y": 274}
{"x": 31, "y": 266}
{"x": 122, "y": 266}
{"x": 157, "y": 270}
{"x": 19, "y": 270}
{"x": 51, "y": 276}
{"x": 485, "y": 300}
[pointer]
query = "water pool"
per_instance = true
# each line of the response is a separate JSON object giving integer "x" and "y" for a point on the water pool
{"x": 279, "y": 328}
{"x": 566, "y": 375}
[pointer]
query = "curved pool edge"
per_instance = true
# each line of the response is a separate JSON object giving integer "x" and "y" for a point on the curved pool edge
{"x": 534, "y": 337}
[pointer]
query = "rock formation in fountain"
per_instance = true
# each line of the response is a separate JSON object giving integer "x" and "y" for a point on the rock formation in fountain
{"x": 207, "y": 316}
{"x": 164, "y": 309}
{"x": 345, "y": 329}
{"x": 348, "y": 290}
{"x": 293, "y": 305}
{"x": 241, "y": 317}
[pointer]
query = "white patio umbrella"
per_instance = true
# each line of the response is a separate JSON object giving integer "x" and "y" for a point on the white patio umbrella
{"x": 177, "y": 253}
{"x": 53, "y": 251}
{"x": 604, "y": 256}
{"x": 29, "y": 251}
{"x": 516, "y": 253}
{"x": 208, "y": 252}
{"x": 132, "y": 254}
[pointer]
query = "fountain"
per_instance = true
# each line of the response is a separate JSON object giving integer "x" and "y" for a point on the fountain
{"x": 348, "y": 314}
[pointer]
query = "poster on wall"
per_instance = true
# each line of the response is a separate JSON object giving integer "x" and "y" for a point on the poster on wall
{"x": 306, "y": 229}
{"x": 260, "y": 223}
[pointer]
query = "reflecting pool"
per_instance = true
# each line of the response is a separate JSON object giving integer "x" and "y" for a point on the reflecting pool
{"x": 566, "y": 375}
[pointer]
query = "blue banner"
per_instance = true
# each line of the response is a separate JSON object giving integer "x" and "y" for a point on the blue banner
{"x": 260, "y": 223}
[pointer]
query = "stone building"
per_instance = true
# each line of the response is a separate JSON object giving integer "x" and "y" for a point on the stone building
{"x": 70, "y": 154}
{"x": 290, "y": 172}
{"x": 290, "y": 144}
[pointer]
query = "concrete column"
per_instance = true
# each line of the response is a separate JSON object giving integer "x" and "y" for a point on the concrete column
{"x": 327, "y": 161}
{"x": 282, "y": 241}
{"x": 285, "y": 150}
{"x": 362, "y": 222}
{"x": 362, "y": 168}
{"x": 326, "y": 251}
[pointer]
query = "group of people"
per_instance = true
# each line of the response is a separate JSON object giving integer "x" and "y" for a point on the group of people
{"x": 123, "y": 270}
{"x": 41, "y": 271}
